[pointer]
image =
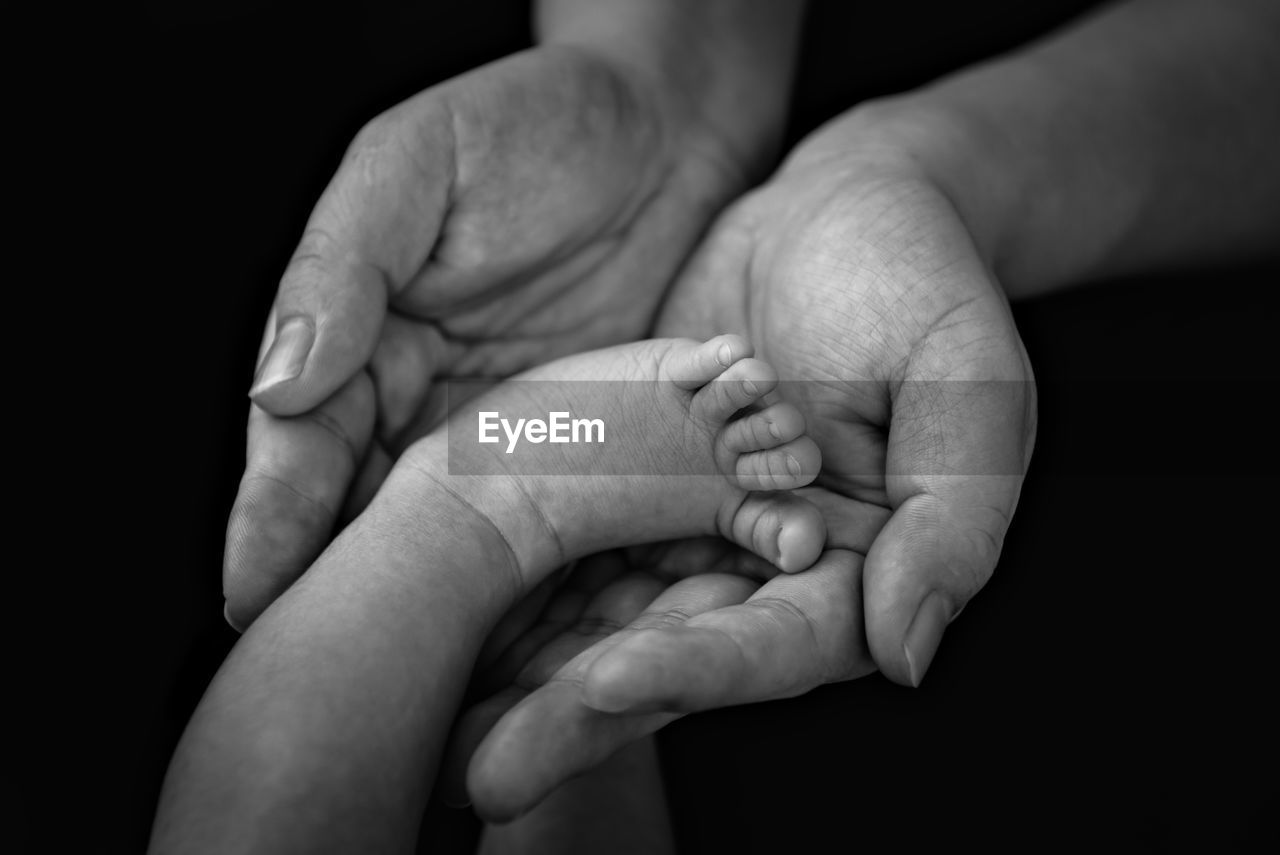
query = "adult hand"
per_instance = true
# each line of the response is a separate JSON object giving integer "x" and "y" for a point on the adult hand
{"x": 535, "y": 207}
{"x": 853, "y": 274}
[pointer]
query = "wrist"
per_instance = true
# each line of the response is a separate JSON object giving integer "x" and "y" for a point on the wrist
{"x": 920, "y": 139}
{"x": 718, "y": 72}
{"x": 508, "y": 539}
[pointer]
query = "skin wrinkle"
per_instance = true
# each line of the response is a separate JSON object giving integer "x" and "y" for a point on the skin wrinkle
{"x": 600, "y": 253}
{"x": 617, "y": 244}
{"x": 968, "y": 573}
{"x": 314, "y": 250}
{"x": 600, "y": 625}
{"x": 600, "y": 628}
{"x": 786, "y": 611}
{"x": 294, "y": 490}
{"x": 992, "y": 545}
{"x": 740, "y": 665}
{"x": 366, "y": 153}
{"x": 333, "y": 427}
{"x": 627, "y": 214}
{"x": 673, "y": 616}
{"x": 393, "y": 417}
{"x": 516, "y": 573}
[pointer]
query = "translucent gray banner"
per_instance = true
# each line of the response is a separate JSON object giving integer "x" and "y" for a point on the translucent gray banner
{"x": 643, "y": 427}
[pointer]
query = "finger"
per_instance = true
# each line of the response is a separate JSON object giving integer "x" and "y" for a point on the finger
{"x": 469, "y": 731}
{"x": 296, "y": 474}
{"x": 957, "y": 452}
{"x": 579, "y": 616}
{"x": 694, "y": 556}
{"x": 796, "y": 632}
{"x": 373, "y": 227}
{"x": 375, "y": 467}
{"x": 409, "y": 355}
{"x": 510, "y": 652}
{"x": 551, "y": 736}
{"x": 851, "y": 524}
{"x": 520, "y": 619}
{"x": 497, "y": 682}
{"x": 556, "y": 738}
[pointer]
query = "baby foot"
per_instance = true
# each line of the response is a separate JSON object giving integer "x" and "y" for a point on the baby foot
{"x": 679, "y": 438}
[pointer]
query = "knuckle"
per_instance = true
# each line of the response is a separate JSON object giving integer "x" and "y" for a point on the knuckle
{"x": 372, "y": 137}
{"x": 332, "y": 425}
{"x": 673, "y": 616}
{"x": 595, "y": 626}
{"x": 314, "y": 255}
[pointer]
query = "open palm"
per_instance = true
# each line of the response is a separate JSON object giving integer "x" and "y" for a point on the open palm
{"x": 535, "y": 207}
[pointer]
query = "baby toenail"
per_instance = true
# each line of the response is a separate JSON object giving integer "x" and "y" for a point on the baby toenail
{"x": 725, "y": 355}
{"x": 749, "y": 388}
{"x": 793, "y": 466}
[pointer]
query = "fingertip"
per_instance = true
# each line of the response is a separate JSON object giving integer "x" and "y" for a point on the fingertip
{"x": 635, "y": 676}
{"x": 272, "y": 537}
{"x": 327, "y": 333}
{"x": 931, "y": 558}
{"x": 284, "y": 361}
{"x": 491, "y": 794}
{"x": 605, "y": 687}
{"x": 465, "y": 740}
{"x": 925, "y": 634}
{"x": 230, "y": 619}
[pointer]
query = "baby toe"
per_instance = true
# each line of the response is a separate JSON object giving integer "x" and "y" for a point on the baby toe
{"x": 691, "y": 365}
{"x": 768, "y": 428}
{"x": 741, "y": 385}
{"x": 781, "y": 528}
{"x": 792, "y": 464}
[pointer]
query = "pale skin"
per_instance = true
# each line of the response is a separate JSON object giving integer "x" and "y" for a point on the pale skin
{"x": 535, "y": 207}
{"x": 297, "y": 723}
{"x": 1105, "y": 150}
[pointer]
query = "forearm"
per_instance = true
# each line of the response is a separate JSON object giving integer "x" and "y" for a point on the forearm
{"x": 723, "y": 67}
{"x": 323, "y": 729}
{"x": 1142, "y": 137}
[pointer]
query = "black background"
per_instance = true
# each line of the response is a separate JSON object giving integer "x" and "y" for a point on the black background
{"x": 1109, "y": 687}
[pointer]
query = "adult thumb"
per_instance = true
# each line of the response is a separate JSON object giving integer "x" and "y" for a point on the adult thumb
{"x": 325, "y": 324}
{"x": 957, "y": 455}
{"x": 372, "y": 228}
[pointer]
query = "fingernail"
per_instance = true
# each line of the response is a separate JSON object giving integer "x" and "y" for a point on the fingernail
{"x": 925, "y": 633}
{"x": 287, "y": 355}
{"x": 725, "y": 355}
{"x": 226, "y": 615}
{"x": 774, "y": 432}
{"x": 793, "y": 466}
{"x": 749, "y": 388}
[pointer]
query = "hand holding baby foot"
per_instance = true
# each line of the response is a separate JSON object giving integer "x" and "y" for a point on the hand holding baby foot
{"x": 869, "y": 293}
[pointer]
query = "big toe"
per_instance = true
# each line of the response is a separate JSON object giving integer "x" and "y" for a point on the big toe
{"x": 782, "y": 528}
